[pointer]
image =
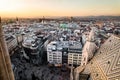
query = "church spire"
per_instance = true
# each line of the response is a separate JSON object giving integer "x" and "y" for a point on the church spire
{"x": 6, "y": 72}
{"x": 0, "y": 20}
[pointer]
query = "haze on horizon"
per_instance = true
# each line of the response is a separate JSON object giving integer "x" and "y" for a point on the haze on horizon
{"x": 37, "y": 8}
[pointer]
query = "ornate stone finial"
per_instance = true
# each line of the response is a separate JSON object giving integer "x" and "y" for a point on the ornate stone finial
{"x": 0, "y": 20}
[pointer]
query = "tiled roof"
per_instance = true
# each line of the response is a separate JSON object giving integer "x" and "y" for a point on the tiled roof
{"x": 106, "y": 63}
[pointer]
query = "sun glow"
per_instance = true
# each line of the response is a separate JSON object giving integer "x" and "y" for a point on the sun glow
{"x": 7, "y": 5}
{"x": 11, "y": 8}
{"x": 36, "y": 8}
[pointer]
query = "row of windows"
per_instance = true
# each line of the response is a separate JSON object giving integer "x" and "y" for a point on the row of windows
{"x": 68, "y": 58}
{"x": 75, "y": 57}
{"x": 74, "y": 60}
{"x": 55, "y": 55}
{"x": 74, "y": 54}
{"x": 56, "y": 61}
{"x": 74, "y": 63}
{"x": 56, "y": 58}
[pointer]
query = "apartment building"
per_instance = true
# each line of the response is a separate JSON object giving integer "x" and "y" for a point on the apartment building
{"x": 54, "y": 53}
{"x": 75, "y": 54}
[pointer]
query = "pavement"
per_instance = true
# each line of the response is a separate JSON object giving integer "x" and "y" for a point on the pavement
{"x": 24, "y": 70}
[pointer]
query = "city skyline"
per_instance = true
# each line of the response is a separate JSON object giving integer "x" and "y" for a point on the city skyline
{"x": 38, "y": 8}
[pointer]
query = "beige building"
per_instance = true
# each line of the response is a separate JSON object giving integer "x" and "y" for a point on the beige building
{"x": 74, "y": 58}
{"x": 89, "y": 47}
{"x": 75, "y": 54}
{"x": 87, "y": 52}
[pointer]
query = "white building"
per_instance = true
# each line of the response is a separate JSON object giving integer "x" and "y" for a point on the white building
{"x": 75, "y": 53}
{"x": 76, "y": 32}
{"x": 54, "y": 53}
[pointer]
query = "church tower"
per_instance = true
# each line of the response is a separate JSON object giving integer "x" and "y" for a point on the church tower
{"x": 6, "y": 72}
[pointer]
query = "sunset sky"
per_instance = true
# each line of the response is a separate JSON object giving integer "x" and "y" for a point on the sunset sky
{"x": 37, "y": 8}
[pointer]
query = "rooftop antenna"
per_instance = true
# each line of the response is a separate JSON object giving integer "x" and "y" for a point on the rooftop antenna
{"x": 43, "y": 19}
{"x": 16, "y": 18}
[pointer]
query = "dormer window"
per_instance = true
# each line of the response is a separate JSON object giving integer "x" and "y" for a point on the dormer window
{"x": 109, "y": 40}
{"x": 108, "y": 62}
{"x": 96, "y": 75}
{"x": 114, "y": 44}
{"x": 84, "y": 59}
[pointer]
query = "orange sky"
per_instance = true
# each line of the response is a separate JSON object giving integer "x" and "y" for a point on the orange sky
{"x": 37, "y": 8}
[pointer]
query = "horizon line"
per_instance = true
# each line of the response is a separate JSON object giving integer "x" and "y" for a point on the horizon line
{"x": 61, "y": 16}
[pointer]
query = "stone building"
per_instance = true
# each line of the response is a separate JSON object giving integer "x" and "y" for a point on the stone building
{"x": 105, "y": 65}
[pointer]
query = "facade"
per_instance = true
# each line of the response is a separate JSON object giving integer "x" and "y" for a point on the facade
{"x": 55, "y": 57}
{"x": 88, "y": 52}
{"x": 11, "y": 43}
{"x": 84, "y": 36}
{"x": 75, "y": 53}
{"x": 74, "y": 59}
{"x": 32, "y": 49}
{"x": 65, "y": 55}
{"x": 89, "y": 47}
{"x": 64, "y": 52}
{"x": 54, "y": 53}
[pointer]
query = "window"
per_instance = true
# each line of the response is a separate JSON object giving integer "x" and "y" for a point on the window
{"x": 49, "y": 48}
{"x": 50, "y": 60}
{"x": 83, "y": 64}
{"x": 108, "y": 62}
{"x": 50, "y": 57}
{"x": 65, "y": 54}
{"x": 75, "y": 58}
{"x": 75, "y": 55}
{"x": 69, "y": 57}
{"x": 109, "y": 40}
{"x": 84, "y": 59}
